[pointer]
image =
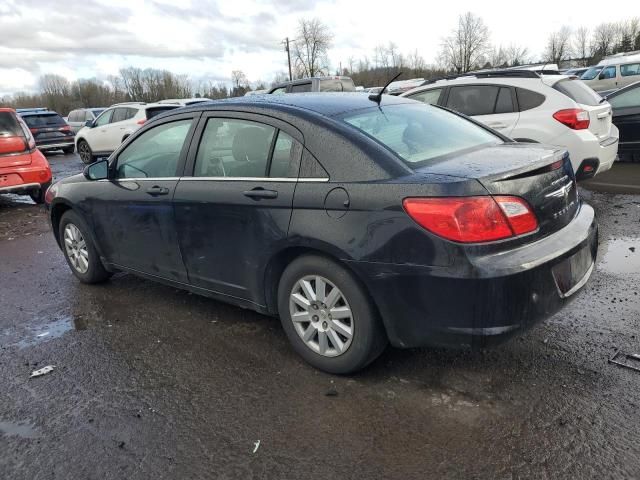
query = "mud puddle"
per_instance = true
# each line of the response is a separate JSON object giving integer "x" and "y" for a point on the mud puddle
{"x": 621, "y": 256}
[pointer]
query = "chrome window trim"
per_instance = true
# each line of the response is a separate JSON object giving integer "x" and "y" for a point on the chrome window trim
{"x": 231, "y": 179}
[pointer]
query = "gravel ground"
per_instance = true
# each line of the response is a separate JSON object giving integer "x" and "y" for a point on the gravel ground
{"x": 153, "y": 382}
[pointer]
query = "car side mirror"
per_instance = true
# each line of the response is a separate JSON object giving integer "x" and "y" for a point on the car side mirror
{"x": 601, "y": 76}
{"x": 88, "y": 123}
{"x": 97, "y": 171}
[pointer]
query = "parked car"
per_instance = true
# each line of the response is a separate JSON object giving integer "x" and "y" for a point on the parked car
{"x": 626, "y": 116}
{"x": 256, "y": 92}
{"x": 552, "y": 109}
{"x": 372, "y": 90}
{"x": 400, "y": 86}
{"x": 315, "y": 84}
{"x": 575, "y": 71}
{"x": 113, "y": 126}
{"x": 356, "y": 222}
{"x": 49, "y": 130}
{"x": 24, "y": 170}
{"x": 34, "y": 109}
{"x": 613, "y": 72}
{"x": 77, "y": 119}
{"x": 184, "y": 102}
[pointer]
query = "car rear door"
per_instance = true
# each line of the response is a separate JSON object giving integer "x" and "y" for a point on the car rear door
{"x": 132, "y": 211}
{"x": 493, "y": 105}
{"x": 97, "y": 135}
{"x": 233, "y": 213}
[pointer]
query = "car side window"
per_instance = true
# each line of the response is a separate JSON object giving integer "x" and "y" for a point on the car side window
{"x": 473, "y": 99}
{"x": 626, "y": 99}
{"x": 155, "y": 153}
{"x": 301, "y": 88}
{"x": 234, "y": 148}
{"x": 286, "y": 157}
{"x": 504, "y": 103}
{"x": 609, "y": 72}
{"x": 630, "y": 69}
{"x": 528, "y": 99}
{"x": 104, "y": 119}
{"x": 427, "y": 96}
{"x": 119, "y": 114}
{"x": 279, "y": 91}
{"x": 87, "y": 116}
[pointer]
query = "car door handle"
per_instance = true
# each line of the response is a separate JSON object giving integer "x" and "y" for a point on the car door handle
{"x": 157, "y": 190}
{"x": 259, "y": 193}
{"x": 603, "y": 115}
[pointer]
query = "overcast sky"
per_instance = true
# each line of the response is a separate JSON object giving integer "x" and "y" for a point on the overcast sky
{"x": 207, "y": 38}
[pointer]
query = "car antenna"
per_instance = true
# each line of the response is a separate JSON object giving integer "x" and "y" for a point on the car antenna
{"x": 377, "y": 97}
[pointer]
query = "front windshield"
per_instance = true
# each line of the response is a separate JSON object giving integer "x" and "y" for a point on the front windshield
{"x": 591, "y": 73}
{"x": 419, "y": 133}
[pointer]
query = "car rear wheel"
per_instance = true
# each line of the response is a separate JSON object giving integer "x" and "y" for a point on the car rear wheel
{"x": 79, "y": 250}
{"x": 84, "y": 150}
{"x": 328, "y": 316}
{"x": 38, "y": 196}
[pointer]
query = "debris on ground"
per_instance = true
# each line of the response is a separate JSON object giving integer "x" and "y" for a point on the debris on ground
{"x": 42, "y": 371}
{"x": 620, "y": 357}
{"x": 256, "y": 446}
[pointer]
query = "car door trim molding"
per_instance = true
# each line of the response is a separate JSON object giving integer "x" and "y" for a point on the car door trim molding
{"x": 257, "y": 179}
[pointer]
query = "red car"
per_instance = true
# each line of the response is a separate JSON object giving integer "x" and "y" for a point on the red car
{"x": 23, "y": 169}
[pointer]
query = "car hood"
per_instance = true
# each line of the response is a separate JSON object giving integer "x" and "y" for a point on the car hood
{"x": 497, "y": 161}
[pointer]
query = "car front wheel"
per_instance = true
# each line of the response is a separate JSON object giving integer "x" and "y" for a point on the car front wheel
{"x": 328, "y": 317}
{"x": 79, "y": 250}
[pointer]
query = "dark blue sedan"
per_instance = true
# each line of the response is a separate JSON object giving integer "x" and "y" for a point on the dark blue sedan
{"x": 357, "y": 223}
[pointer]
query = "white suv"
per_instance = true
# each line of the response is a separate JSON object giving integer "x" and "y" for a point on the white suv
{"x": 552, "y": 109}
{"x": 102, "y": 136}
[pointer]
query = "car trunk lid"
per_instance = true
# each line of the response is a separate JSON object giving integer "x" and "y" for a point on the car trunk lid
{"x": 541, "y": 175}
{"x": 14, "y": 145}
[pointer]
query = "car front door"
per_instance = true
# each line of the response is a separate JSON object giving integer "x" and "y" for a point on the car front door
{"x": 115, "y": 131}
{"x": 234, "y": 212}
{"x": 134, "y": 217}
{"x": 607, "y": 79}
{"x": 492, "y": 105}
{"x": 97, "y": 135}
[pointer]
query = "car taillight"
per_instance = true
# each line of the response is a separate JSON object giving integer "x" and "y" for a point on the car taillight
{"x": 574, "y": 118}
{"x": 141, "y": 121}
{"x": 10, "y": 145}
{"x": 66, "y": 129}
{"x": 472, "y": 219}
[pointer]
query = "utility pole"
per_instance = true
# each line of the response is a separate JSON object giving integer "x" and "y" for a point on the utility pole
{"x": 286, "y": 47}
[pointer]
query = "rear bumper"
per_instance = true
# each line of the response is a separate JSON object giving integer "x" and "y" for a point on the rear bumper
{"x": 51, "y": 145}
{"x": 500, "y": 295}
{"x": 23, "y": 178}
{"x": 583, "y": 145}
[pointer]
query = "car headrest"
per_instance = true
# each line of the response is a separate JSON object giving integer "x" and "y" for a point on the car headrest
{"x": 250, "y": 144}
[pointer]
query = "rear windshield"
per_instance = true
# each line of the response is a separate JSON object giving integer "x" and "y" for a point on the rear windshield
{"x": 337, "y": 85}
{"x": 43, "y": 120}
{"x": 420, "y": 133}
{"x": 9, "y": 125}
{"x": 154, "y": 111}
{"x": 591, "y": 73}
{"x": 578, "y": 92}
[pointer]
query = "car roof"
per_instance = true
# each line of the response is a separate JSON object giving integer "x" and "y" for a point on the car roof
{"x": 547, "y": 80}
{"x": 327, "y": 103}
{"x": 39, "y": 114}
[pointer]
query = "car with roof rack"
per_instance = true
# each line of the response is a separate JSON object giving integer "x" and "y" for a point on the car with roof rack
{"x": 100, "y": 137}
{"x": 49, "y": 129}
{"x": 550, "y": 109}
{"x": 315, "y": 84}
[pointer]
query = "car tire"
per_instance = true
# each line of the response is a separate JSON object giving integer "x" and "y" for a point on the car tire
{"x": 79, "y": 250}
{"x": 69, "y": 150}
{"x": 38, "y": 196}
{"x": 84, "y": 150}
{"x": 367, "y": 337}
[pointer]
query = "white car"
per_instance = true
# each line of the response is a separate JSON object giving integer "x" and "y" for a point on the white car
{"x": 102, "y": 136}
{"x": 553, "y": 109}
{"x": 184, "y": 102}
{"x": 613, "y": 72}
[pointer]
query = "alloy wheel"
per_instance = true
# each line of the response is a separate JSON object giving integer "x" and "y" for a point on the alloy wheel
{"x": 76, "y": 248}
{"x": 321, "y": 316}
{"x": 85, "y": 152}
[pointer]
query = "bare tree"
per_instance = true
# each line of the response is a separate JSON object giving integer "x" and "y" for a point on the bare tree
{"x": 516, "y": 55}
{"x": 581, "y": 46}
{"x": 558, "y": 46}
{"x": 497, "y": 57}
{"x": 416, "y": 61}
{"x": 628, "y": 34}
{"x": 462, "y": 50}
{"x": 604, "y": 39}
{"x": 238, "y": 78}
{"x": 311, "y": 48}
